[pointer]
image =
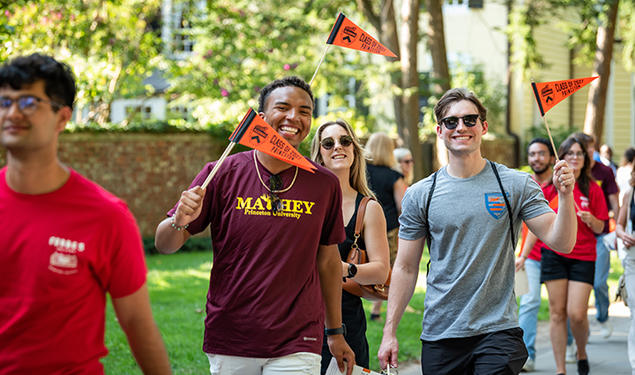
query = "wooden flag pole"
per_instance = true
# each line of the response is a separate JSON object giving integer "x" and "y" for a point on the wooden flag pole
{"x": 320, "y": 63}
{"x": 555, "y": 151}
{"x": 544, "y": 118}
{"x": 220, "y": 161}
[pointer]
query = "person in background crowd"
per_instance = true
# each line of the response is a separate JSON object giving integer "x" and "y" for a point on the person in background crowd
{"x": 541, "y": 157}
{"x": 623, "y": 175}
{"x": 336, "y": 147}
{"x": 624, "y": 229}
{"x": 389, "y": 187}
{"x": 65, "y": 241}
{"x": 606, "y": 157}
{"x": 569, "y": 277}
{"x": 606, "y": 179}
{"x": 405, "y": 163}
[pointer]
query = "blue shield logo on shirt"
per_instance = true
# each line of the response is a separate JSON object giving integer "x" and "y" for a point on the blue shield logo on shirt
{"x": 495, "y": 204}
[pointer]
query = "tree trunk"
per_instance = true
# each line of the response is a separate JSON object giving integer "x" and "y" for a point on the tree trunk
{"x": 440, "y": 72}
{"x": 384, "y": 22}
{"x": 596, "y": 103}
{"x": 410, "y": 82}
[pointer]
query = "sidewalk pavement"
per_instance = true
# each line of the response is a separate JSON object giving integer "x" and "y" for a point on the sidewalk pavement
{"x": 606, "y": 356}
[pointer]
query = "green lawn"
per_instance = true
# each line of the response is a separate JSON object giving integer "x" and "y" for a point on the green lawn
{"x": 178, "y": 286}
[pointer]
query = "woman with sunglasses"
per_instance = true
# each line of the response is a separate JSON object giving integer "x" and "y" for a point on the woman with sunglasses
{"x": 389, "y": 186}
{"x": 336, "y": 147}
{"x": 569, "y": 277}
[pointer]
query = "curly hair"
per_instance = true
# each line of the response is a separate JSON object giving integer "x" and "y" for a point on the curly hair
{"x": 283, "y": 82}
{"x": 59, "y": 82}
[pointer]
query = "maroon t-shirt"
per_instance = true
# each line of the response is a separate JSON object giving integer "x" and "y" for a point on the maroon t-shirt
{"x": 606, "y": 179}
{"x": 264, "y": 298}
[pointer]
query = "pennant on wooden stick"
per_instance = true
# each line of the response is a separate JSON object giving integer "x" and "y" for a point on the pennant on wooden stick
{"x": 253, "y": 131}
{"x": 548, "y": 94}
{"x": 346, "y": 34}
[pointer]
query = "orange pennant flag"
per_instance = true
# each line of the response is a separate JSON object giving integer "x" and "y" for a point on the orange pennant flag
{"x": 548, "y": 94}
{"x": 254, "y": 132}
{"x": 346, "y": 34}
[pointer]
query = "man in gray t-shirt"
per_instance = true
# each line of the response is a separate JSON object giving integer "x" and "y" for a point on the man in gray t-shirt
{"x": 470, "y": 323}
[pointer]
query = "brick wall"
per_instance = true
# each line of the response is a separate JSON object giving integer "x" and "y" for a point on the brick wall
{"x": 149, "y": 171}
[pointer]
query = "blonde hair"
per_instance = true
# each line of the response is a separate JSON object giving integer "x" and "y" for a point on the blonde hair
{"x": 380, "y": 148}
{"x": 357, "y": 175}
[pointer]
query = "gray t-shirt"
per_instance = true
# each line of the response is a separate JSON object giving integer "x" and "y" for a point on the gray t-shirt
{"x": 470, "y": 286}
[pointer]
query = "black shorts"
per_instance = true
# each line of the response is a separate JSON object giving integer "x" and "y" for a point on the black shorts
{"x": 554, "y": 266}
{"x": 496, "y": 353}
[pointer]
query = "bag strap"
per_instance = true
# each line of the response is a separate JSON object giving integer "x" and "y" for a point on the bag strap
{"x": 359, "y": 222}
{"x": 509, "y": 208}
{"x": 429, "y": 238}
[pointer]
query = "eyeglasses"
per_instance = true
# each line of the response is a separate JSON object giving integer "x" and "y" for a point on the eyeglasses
{"x": 27, "y": 104}
{"x": 328, "y": 142}
{"x": 407, "y": 161}
{"x": 573, "y": 154}
{"x": 452, "y": 122}
{"x": 275, "y": 183}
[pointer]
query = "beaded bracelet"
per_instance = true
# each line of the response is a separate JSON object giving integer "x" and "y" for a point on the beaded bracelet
{"x": 177, "y": 227}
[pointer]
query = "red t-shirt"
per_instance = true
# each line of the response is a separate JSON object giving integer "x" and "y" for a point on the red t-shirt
{"x": 264, "y": 298}
{"x": 584, "y": 248}
{"x": 60, "y": 253}
{"x": 550, "y": 193}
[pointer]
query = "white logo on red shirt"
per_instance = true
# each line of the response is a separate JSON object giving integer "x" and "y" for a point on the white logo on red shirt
{"x": 64, "y": 257}
{"x": 584, "y": 202}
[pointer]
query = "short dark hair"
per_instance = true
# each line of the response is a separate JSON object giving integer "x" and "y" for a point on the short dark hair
{"x": 585, "y": 138}
{"x": 543, "y": 141}
{"x": 456, "y": 95}
{"x": 629, "y": 154}
{"x": 283, "y": 82}
{"x": 59, "y": 82}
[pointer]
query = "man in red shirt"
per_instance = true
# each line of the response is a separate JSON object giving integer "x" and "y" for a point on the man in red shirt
{"x": 65, "y": 241}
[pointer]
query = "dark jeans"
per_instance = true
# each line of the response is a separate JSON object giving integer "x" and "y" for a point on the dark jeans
{"x": 495, "y": 353}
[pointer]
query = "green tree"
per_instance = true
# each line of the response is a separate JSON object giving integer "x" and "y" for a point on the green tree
{"x": 111, "y": 45}
{"x": 591, "y": 38}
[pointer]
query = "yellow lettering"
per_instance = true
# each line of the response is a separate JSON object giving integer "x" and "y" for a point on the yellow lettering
{"x": 308, "y": 206}
{"x": 258, "y": 205}
{"x": 297, "y": 206}
{"x": 243, "y": 203}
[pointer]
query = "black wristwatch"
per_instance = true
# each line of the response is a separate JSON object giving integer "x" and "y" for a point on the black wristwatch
{"x": 352, "y": 270}
{"x": 335, "y": 331}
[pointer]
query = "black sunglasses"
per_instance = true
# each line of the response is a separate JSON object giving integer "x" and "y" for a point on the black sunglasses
{"x": 328, "y": 143}
{"x": 275, "y": 183}
{"x": 452, "y": 122}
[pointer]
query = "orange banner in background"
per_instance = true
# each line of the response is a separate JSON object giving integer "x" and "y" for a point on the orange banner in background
{"x": 548, "y": 94}
{"x": 346, "y": 34}
{"x": 254, "y": 132}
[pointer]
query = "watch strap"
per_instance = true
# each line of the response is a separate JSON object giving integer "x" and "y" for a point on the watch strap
{"x": 335, "y": 331}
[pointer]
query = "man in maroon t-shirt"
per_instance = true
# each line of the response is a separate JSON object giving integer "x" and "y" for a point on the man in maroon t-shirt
{"x": 275, "y": 230}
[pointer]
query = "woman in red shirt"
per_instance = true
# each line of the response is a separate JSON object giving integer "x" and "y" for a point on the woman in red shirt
{"x": 569, "y": 277}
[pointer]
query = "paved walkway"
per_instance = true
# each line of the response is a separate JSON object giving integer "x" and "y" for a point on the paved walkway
{"x": 606, "y": 356}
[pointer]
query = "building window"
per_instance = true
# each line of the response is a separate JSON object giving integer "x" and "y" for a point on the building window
{"x": 177, "y": 26}
{"x": 143, "y": 112}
